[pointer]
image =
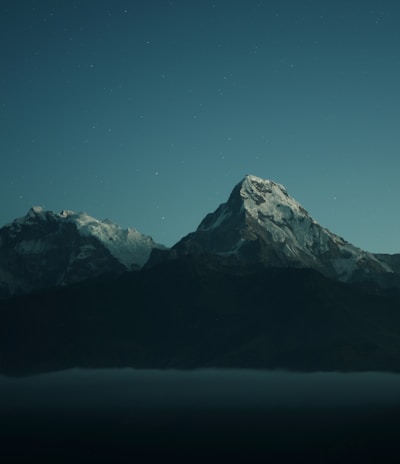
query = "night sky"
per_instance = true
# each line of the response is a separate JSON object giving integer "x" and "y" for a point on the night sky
{"x": 149, "y": 112}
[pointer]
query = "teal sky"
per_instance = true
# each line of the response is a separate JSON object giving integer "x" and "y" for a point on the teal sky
{"x": 149, "y": 112}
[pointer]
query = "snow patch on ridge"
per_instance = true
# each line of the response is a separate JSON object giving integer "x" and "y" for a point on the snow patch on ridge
{"x": 269, "y": 204}
{"x": 221, "y": 218}
{"x": 127, "y": 245}
{"x": 265, "y": 198}
{"x": 288, "y": 223}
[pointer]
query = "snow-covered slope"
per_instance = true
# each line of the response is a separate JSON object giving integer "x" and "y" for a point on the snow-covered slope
{"x": 261, "y": 223}
{"x": 128, "y": 246}
{"x": 45, "y": 249}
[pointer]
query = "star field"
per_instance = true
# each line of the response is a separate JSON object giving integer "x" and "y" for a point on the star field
{"x": 149, "y": 112}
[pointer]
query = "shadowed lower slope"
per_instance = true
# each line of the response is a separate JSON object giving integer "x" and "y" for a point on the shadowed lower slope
{"x": 185, "y": 314}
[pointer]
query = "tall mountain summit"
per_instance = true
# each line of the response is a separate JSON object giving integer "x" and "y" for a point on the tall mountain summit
{"x": 259, "y": 284}
{"x": 262, "y": 224}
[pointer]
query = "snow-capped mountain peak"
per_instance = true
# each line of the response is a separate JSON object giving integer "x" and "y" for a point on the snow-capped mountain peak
{"x": 268, "y": 204}
{"x": 262, "y": 223}
{"x": 257, "y": 197}
{"x": 269, "y": 198}
{"x": 44, "y": 249}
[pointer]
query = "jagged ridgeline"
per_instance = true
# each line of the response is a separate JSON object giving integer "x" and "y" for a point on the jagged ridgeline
{"x": 262, "y": 224}
{"x": 44, "y": 249}
{"x": 259, "y": 284}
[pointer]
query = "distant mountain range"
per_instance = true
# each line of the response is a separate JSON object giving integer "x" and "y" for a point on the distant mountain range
{"x": 44, "y": 249}
{"x": 258, "y": 284}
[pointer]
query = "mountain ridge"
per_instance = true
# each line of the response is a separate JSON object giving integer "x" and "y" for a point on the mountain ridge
{"x": 45, "y": 249}
{"x": 259, "y": 224}
{"x": 257, "y": 285}
{"x": 262, "y": 223}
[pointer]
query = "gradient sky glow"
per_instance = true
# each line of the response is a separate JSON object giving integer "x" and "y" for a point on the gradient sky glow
{"x": 149, "y": 112}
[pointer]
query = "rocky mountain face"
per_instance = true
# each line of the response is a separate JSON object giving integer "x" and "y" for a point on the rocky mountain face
{"x": 393, "y": 261}
{"x": 44, "y": 249}
{"x": 259, "y": 284}
{"x": 261, "y": 224}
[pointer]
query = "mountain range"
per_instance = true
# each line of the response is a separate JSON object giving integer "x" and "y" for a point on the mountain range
{"x": 44, "y": 249}
{"x": 259, "y": 284}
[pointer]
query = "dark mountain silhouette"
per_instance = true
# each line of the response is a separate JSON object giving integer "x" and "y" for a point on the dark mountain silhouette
{"x": 184, "y": 314}
{"x": 260, "y": 284}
